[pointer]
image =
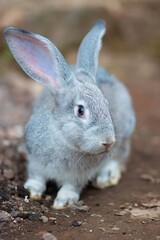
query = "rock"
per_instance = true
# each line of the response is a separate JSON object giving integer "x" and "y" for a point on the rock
{"x": 48, "y": 198}
{"x": 44, "y": 219}
{"x": 77, "y": 223}
{"x": 52, "y": 219}
{"x": 4, "y": 216}
{"x": 8, "y": 173}
{"x": 49, "y": 236}
{"x": 33, "y": 216}
{"x": 79, "y": 206}
{"x": 20, "y": 214}
{"x": 18, "y": 220}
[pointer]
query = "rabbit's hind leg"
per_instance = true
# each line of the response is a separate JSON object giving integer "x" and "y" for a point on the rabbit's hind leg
{"x": 108, "y": 176}
{"x": 110, "y": 173}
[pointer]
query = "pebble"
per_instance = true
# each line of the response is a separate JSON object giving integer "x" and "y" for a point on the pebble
{"x": 44, "y": 219}
{"x": 21, "y": 208}
{"x": 96, "y": 215}
{"x": 52, "y": 219}
{"x": 49, "y": 236}
{"x": 26, "y": 199}
{"x": 33, "y": 216}
{"x": 44, "y": 209}
{"x": 18, "y": 220}
{"x": 77, "y": 223}
{"x": 115, "y": 228}
{"x": 79, "y": 206}
{"x": 8, "y": 173}
{"x": 5, "y": 216}
{"x": 20, "y": 214}
{"x": 48, "y": 198}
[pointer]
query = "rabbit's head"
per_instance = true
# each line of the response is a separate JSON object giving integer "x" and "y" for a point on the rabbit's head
{"x": 81, "y": 113}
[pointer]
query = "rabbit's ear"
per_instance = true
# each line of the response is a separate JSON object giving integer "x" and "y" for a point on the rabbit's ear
{"x": 87, "y": 60}
{"x": 39, "y": 58}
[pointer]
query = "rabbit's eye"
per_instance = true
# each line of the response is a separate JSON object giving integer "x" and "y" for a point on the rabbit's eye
{"x": 81, "y": 111}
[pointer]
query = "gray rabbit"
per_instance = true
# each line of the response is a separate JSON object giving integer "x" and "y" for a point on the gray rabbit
{"x": 82, "y": 122}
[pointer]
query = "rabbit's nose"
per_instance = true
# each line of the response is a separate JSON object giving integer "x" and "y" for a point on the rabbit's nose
{"x": 107, "y": 145}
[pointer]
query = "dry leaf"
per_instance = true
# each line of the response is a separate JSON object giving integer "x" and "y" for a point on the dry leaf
{"x": 151, "y": 213}
{"x": 151, "y": 204}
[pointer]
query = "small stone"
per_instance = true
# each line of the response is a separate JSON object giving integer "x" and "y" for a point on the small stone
{"x": 49, "y": 236}
{"x": 101, "y": 220}
{"x": 5, "y": 216}
{"x": 121, "y": 213}
{"x": 102, "y": 229}
{"x": 19, "y": 214}
{"x": 80, "y": 203}
{"x": 79, "y": 206}
{"x": 48, "y": 198}
{"x": 77, "y": 223}
{"x": 115, "y": 228}
{"x": 33, "y": 216}
{"x": 8, "y": 173}
{"x": 52, "y": 219}
{"x": 18, "y": 220}
{"x": 144, "y": 222}
{"x": 111, "y": 204}
{"x": 44, "y": 209}
{"x": 44, "y": 219}
{"x": 21, "y": 208}
{"x": 26, "y": 199}
{"x": 96, "y": 215}
{"x": 122, "y": 206}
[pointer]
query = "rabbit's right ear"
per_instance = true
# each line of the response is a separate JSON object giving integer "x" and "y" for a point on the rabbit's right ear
{"x": 87, "y": 59}
{"x": 39, "y": 58}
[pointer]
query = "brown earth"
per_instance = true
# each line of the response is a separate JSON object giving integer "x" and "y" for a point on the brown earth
{"x": 131, "y": 210}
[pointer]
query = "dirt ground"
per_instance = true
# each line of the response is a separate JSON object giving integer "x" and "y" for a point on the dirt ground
{"x": 130, "y": 210}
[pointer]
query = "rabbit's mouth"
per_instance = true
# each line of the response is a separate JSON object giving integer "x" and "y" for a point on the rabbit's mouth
{"x": 96, "y": 146}
{"x": 95, "y": 150}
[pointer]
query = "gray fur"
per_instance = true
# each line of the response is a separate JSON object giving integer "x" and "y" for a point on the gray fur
{"x": 63, "y": 147}
{"x": 87, "y": 58}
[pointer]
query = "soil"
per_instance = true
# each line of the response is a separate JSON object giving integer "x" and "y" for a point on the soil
{"x": 130, "y": 210}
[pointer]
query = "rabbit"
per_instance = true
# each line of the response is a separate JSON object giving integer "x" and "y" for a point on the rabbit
{"x": 82, "y": 122}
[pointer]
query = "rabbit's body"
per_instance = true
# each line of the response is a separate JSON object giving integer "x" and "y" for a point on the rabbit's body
{"x": 70, "y": 135}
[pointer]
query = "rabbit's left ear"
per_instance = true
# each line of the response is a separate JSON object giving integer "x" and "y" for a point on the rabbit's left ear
{"x": 40, "y": 59}
{"x": 87, "y": 59}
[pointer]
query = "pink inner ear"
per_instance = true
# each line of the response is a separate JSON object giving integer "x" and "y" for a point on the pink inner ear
{"x": 35, "y": 58}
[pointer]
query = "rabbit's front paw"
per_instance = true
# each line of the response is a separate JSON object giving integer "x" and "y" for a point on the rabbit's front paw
{"x": 66, "y": 197}
{"x": 108, "y": 176}
{"x": 35, "y": 188}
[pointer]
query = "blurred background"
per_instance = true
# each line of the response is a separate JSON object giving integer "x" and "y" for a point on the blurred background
{"x": 131, "y": 51}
